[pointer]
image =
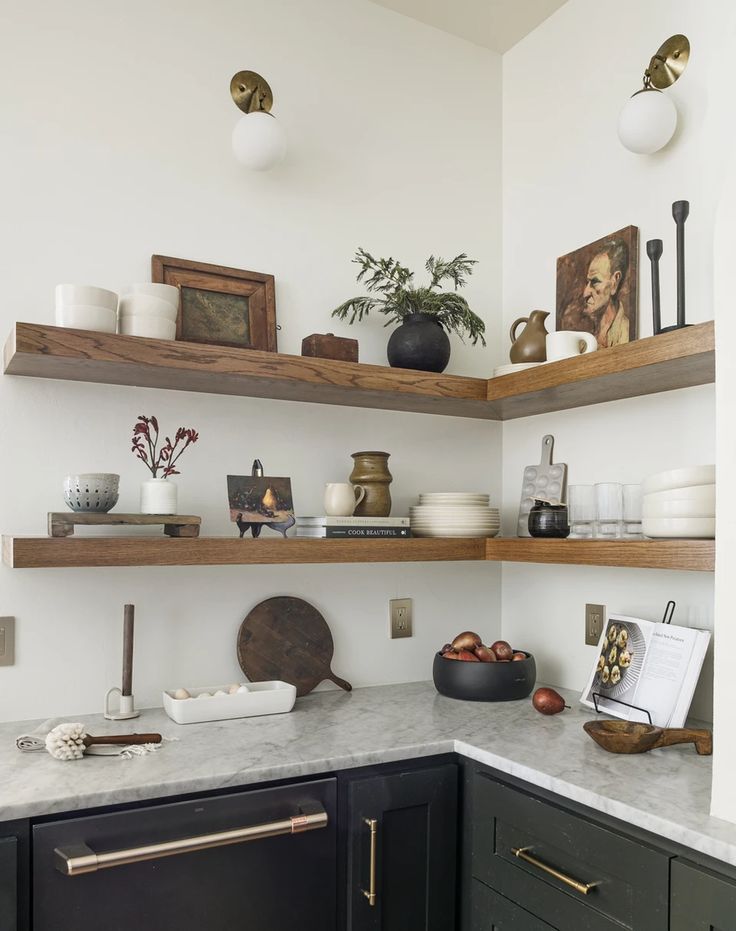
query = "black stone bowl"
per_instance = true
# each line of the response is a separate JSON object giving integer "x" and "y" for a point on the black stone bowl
{"x": 470, "y": 681}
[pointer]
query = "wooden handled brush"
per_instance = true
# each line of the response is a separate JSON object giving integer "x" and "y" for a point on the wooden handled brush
{"x": 69, "y": 741}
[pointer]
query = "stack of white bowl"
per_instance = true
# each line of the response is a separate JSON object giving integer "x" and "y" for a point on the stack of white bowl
{"x": 680, "y": 504}
{"x": 454, "y": 514}
{"x": 148, "y": 309}
{"x": 85, "y": 307}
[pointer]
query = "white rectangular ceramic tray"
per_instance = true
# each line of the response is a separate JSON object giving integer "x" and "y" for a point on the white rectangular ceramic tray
{"x": 261, "y": 698}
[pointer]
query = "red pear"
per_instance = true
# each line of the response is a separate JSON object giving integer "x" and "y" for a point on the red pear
{"x": 502, "y": 650}
{"x": 468, "y": 656}
{"x": 547, "y": 701}
{"x": 518, "y": 656}
{"x": 485, "y": 654}
{"x": 467, "y": 640}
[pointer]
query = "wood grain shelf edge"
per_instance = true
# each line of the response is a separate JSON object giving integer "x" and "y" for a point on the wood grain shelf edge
{"x": 689, "y": 555}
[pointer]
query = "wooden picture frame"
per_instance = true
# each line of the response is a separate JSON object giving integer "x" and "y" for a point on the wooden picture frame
{"x": 220, "y": 306}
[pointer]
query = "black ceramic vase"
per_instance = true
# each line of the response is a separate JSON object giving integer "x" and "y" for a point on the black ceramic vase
{"x": 419, "y": 343}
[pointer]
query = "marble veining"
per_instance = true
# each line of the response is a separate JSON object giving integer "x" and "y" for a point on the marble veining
{"x": 666, "y": 791}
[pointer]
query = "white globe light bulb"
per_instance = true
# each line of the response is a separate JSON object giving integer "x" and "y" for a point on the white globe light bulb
{"x": 647, "y": 122}
{"x": 259, "y": 141}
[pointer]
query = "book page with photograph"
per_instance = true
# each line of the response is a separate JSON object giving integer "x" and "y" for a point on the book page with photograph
{"x": 654, "y": 667}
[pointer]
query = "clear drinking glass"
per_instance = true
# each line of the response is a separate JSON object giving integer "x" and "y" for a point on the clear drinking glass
{"x": 632, "y": 512}
{"x": 581, "y": 506}
{"x": 610, "y": 511}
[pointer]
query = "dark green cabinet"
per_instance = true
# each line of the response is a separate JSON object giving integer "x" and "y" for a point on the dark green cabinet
{"x": 402, "y": 850}
{"x": 8, "y": 883}
{"x": 492, "y": 912}
{"x": 701, "y": 899}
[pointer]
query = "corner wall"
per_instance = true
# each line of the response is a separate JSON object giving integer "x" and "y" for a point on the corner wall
{"x": 568, "y": 181}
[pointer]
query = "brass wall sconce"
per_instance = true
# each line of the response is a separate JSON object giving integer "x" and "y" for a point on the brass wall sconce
{"x": 259, "y": 141}
{"x": 648, "y": 120}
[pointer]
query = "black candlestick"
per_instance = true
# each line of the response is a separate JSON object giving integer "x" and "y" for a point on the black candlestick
{"x": 654, "y": 251}
{"x": 680, "y": 211}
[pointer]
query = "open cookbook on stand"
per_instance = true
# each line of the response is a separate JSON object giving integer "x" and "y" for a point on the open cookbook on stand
{"x": 641, "y": 666}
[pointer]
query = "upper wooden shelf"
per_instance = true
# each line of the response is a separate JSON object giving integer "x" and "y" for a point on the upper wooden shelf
{"x": 658, "y": 363}
{"x": 92, "y": 552}
{"x": 680, "y": 359}
{"x": 81, "y": 355}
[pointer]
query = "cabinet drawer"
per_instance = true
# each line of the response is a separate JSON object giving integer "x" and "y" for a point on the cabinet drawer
{"x": 701, "y": 900}
{"x": 492, "y": 912}
{"x": 629, "y": 880}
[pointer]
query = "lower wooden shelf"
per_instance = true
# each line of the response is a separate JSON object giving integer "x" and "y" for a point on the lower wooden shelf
{"x": 91, "y": 552}
{"x": 635, "y": 554}
{"x": 86, "y": 552}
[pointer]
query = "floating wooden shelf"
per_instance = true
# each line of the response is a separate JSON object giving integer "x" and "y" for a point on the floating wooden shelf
{"x": 633, "y": 554}
{"x": 87, "y": 552}
{"x": 78, "y": 552}
{"x": 679, "y": 359}
{"x": 80, "y": 355}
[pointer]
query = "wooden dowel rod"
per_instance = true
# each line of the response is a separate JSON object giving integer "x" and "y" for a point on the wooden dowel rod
{"x": 128, "y": 621}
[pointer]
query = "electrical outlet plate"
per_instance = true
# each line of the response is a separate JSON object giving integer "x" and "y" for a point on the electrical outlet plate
{"x": 400, "y": 618}
{"x": 7, "y": 641}
{"x": 595, "y": 618}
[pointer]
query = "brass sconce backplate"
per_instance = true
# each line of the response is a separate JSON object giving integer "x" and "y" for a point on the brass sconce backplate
{"x": 669, "y": 62}
{"x": 251, "y": 92}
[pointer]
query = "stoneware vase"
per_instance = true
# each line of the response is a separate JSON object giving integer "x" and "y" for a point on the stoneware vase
{"x": 531, "y": 344}
{"x": 371, "y": 471}
{"x": 419, "y": 343}
{"x": 158, "y": 496}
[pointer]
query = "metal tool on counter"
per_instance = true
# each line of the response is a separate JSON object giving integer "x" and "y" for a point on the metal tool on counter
{"x": 126, "y": 708}
{"x": 544, "y": 481}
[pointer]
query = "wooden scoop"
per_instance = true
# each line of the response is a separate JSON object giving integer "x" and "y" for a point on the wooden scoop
{"x": 630, "y": 737}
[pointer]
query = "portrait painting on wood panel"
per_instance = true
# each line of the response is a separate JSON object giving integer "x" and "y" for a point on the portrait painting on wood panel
{"x": 597, "y": 288}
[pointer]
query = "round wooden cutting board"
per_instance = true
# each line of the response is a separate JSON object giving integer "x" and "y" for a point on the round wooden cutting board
{"x": 288, "y": 639}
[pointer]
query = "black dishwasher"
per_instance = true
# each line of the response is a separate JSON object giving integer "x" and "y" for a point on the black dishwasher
{"x": 262, "y": 859}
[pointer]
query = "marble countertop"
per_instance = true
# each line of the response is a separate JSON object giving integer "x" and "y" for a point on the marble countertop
{"x": 666, "y": 791}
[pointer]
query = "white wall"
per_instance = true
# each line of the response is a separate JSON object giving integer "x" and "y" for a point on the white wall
{"x": 568, "y": 181}
{"x": 115, "y": 144}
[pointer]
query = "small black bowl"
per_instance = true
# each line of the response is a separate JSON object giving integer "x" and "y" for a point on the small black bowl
{"x": 470, "y": 681}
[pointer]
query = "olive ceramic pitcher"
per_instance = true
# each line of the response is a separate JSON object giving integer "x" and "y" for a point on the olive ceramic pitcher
{"x": 531, "y": 345}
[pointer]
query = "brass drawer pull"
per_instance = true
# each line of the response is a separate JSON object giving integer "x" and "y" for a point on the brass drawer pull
{"x": 370, "y": 894}
{"x": 523, "y": 854}
{"x": 78, "y": 859}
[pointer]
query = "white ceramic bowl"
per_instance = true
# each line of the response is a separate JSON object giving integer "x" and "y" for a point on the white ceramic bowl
{"x": 704, "y": 496}
{"x": 93, "y": 491}
{"x": 152, "y": 327}
{"x": 679, "y": 528}
{"x": 163, "y": 292}
{"x": 87, "y": 317}
{"x": 676, "y": 508}
{"x": 85, "y": 294}
{"x": 143, "y": 305}
{"x": 679, "y": 478}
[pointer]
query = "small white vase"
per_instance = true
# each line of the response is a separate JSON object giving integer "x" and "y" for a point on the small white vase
{"x": 158, "y": 496}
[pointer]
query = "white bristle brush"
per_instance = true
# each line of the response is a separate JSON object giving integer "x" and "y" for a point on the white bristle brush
{"x": 69, "y": 741}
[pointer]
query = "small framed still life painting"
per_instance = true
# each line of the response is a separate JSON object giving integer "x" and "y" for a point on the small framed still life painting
{"x": 597, "y": 288}
{"x": 219, "y": 305}
{"x": 258, "y": 501}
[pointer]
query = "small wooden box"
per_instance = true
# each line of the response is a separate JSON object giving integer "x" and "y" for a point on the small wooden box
{"x": 329, "y": 346}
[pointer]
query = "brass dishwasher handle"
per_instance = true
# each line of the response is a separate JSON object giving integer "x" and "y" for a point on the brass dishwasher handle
{"x": 523, "y": 854}
{"x": 79, "y": 858}
{"x": 370, "y": 894}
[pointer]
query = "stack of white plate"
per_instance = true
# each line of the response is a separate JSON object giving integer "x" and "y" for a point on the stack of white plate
{"x": 680, "y": 504}
{"x": 454, "y": 514}
{"x": 514, "y": 367}
{"x": 148, "y": 309}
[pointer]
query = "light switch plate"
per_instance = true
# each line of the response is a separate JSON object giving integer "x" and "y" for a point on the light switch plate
{"x": 595, "y": 618}
{"x": 400, "y": 617}
{"x": 7, "y": 641}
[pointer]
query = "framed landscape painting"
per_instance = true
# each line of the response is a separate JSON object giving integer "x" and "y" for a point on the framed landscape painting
{"x": 597, "y": 288}
{"x": 220, "y": 306}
